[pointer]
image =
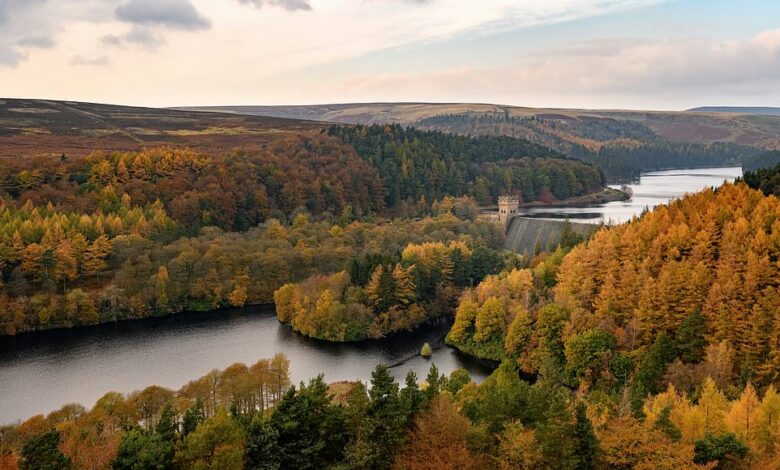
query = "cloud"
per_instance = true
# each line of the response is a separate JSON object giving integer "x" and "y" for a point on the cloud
{"x": 174, "y": 14}
{"x": 111, "y": 40}
{"x": 602, "y": 69}
{"x": 9, "y": 56}
{"x": 139, "y": 35}
{"x": 79, "y": 60}
{"x": 40, "y": 42}
{"x": 290, "y": 5}
{"x": 7, "y": 6}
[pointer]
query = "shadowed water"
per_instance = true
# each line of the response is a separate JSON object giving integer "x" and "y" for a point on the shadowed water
{"x": 41, "y": 372}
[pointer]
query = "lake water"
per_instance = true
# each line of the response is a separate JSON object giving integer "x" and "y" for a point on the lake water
{"x": 653, "y": 188}
{"x": 41, "y": 372}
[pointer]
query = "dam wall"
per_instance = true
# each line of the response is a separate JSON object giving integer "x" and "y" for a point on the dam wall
{"x": 524, "y": 233}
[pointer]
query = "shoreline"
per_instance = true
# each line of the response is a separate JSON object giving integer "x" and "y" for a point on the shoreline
{"x": 607, "y": 194}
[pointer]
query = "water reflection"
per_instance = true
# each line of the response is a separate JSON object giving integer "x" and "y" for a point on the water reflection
{"x": 41, "y": 372}
{"x": 653, "y": 188}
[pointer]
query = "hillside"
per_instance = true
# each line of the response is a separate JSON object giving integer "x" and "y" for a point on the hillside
{"x": 254, "y": 204}
{"x": 765, "y": 110}
{"x": 679, "y": 283}
{"x": 621, "y": 143}
{"x": 30, "y": 127}
{"x": 689, "y": 127}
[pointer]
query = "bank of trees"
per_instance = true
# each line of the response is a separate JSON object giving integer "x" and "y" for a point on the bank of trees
{"x": 762, "y": 160}
{"x": 251, "y": 418}
{"x": 765, "y": 179}
{"x": 430, "y": 165}
{"x": 685, "y": 292}
{"x": 234, "y": 191}
{"x": 118, "y": 235}
{"x": 138, "y": 276}
{"x": 380, "y": 294}
{"x": 621, "y": 149}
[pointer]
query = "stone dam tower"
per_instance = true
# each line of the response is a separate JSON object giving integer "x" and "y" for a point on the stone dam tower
{"x": 508, "y": 207}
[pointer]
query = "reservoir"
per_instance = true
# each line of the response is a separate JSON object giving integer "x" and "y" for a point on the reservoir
{"x": 40, "y": 372}
{"x": 652, "y": 189}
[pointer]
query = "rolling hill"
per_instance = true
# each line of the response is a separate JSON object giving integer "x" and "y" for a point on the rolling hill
{"x": 764, "y": 110}
{"x": 686, "y": 126}
{"x": 31, "y": 127}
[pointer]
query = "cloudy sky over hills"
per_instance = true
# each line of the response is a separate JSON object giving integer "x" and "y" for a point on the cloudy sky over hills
{"x": 649, "y": 54}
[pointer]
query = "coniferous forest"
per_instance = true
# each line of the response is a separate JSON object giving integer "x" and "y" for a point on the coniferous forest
{"x": 122, "y": 235}
{"x": 621, "y": 149}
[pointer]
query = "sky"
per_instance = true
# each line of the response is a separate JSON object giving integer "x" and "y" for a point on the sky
{"x": 630, "y": 54}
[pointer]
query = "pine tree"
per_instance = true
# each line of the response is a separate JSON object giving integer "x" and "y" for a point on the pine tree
{"x": 586, "y": 447}
{"x": 411, "y": 396}
{"x": 713, "y": 405}
{"x": 381, "y": 289}
{"x": 43, "y": 453}
{"x": 387, "y": 417}
{"x": 742, "y": 419}
{"x": 768, "y": 433}
{"x": 262, "y": 446}
{"x": 403, "y": 284}
{"x": 663, "y": 423}
{"x": 192, "y": 417}
{"x": 95, "y": 257}
{"x": 689, "y": 337}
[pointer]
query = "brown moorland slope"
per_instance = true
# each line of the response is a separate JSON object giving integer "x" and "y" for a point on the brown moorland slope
{"x": 31, "y": 127}
{"x": 677, "y": 126}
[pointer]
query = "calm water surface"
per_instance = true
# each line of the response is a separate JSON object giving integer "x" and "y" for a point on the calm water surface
{"x": 653, "y": 188}
{"x": 41, "y": 372}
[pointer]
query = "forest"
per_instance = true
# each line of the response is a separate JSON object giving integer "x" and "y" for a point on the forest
{"x": 62, "y": 278}
{"x": 651, "y": 345}
{"x": 762, "y": 160}
{"x": 417, "y": 164}
{"x": 382, "y": 294}
{"x": 621, "y": 149}
{"x": 251, "y": 417}
{"x": 120, "y": 235}
{"x": 765, "y": 179}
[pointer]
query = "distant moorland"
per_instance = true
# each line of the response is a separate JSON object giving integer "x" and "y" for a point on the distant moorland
{"x": 621, "y": 142}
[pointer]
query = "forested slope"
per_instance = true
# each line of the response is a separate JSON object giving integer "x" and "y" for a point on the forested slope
{"x": 430, "y": 165}
{"x": 620, "y": 148}
{"x": 117, "y": 235}
{"x": 681, "y": 281}
{"x": 767, "y": 180}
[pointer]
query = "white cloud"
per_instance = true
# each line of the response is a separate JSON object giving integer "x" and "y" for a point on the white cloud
{"x": 290, "y": 5}
{"x": 175, "y": 14}
{"x": 647, "y": 71}
{"x": 265, "y": 55}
